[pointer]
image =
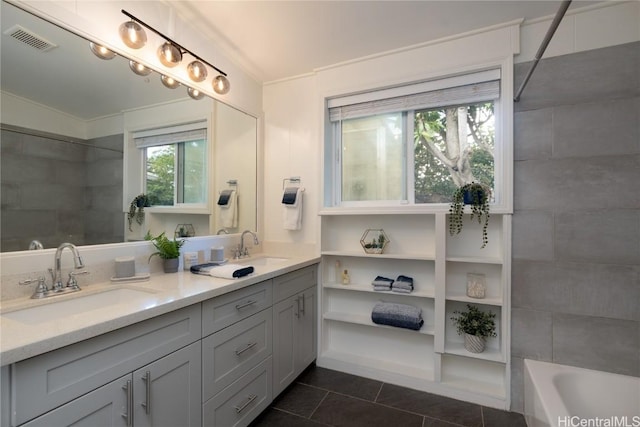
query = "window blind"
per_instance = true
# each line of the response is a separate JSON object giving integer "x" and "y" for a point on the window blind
{"x": 466, "y": 89}
{"x": 170, "y": 135}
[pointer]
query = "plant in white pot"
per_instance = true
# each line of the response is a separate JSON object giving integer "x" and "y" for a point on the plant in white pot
{"x": 476, "y": 326}
{"x": 168, "y": 250}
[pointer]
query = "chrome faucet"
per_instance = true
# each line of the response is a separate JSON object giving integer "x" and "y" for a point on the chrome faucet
{"x": 243, "y": 252}
{"x": 222, "y": 231}
{"x": 56, "y": 274}
{"x": 57, "y": 288}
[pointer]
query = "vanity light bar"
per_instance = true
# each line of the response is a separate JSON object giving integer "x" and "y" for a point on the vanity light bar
{"x": 180, "y": 47}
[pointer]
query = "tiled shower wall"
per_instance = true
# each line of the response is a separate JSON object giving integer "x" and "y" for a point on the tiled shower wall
{"x": 56, "y": 191}
{"x": 576, "y": 222}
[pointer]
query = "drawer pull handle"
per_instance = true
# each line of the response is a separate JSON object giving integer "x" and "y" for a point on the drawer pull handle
{"x": 147, "y": 382}
{"x": 127, "y": 415}
{"x": 250, "y": 399}
{"x": 302, "y": 310}
{"x": 247, "y": 347}
{"x": 246, "y": 304}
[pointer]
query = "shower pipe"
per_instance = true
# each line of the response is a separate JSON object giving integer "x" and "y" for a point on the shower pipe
{"x": 543, "y": 46}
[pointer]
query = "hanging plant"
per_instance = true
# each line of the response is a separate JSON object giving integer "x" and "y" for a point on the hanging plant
{"x": 136, "y": 209}
{"x": 477, "y": 196}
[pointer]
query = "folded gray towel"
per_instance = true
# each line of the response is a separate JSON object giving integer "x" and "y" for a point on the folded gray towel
{"x": 399, "y": 315}
{"x": 401, "y": 290}
{"x": 382, "y": 288}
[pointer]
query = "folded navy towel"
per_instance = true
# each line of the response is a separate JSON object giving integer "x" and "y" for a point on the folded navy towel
{"x": 289, "y": 196}
{"x": 399, "y": 315}
{"x": 405, "y": 279}
{"x": 223, "y": 200}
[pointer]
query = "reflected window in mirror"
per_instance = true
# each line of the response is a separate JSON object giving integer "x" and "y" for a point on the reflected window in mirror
{"x": 175, "y": 164}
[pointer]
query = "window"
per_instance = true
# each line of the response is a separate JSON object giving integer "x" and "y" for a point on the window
{"x": 175, "y": 162}
{"x": 415, "y": 144}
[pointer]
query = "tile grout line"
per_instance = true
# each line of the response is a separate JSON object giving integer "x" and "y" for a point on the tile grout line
{"x": 318, "y": 405}
{"x": 375, "y": 399}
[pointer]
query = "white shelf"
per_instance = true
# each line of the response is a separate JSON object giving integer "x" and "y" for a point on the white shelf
{"x": 466, "y": 384}
{"x": 368, "y": 288}
{"x": 413, "y": 257}
{"x": 457, "y": 348}
{"x": 411, "y": 373}
{"x": 366, "y": 321}
{"x": 475, "y": 259}
{"x": 466, "y": 299}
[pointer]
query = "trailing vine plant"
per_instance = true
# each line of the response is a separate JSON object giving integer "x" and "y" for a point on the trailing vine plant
{"x": 136, "y": 209}
{"x": 477, "y": 196}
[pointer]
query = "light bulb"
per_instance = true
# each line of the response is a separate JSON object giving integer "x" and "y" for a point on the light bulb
{"x": 101, "y": 51}
{"x": 221, "y": 85}
{"x": 169, "y": 55}
{"x": 195, "y": 93}
{"x": 169, "y": 82}
{"x": 139, "y": 69}
{"x": 197, "y": 71}
{"x": 132, "y": 34}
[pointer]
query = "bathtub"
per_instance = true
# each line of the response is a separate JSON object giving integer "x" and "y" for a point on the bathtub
{"x": 565, "y": 396}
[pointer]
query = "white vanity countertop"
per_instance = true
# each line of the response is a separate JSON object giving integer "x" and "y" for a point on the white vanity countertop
{"x": 22, "y": 339}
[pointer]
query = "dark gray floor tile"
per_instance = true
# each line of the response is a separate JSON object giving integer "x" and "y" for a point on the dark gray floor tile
{"x": 432, "y": 422}
{"x": 343, "y": 411}
{"x": 340, "y": 382}
{"x": 497, "y": 418}
{"x": 431, "y": 405}
{"x": 276, "y": 418}
{"x": 300, "y": 399}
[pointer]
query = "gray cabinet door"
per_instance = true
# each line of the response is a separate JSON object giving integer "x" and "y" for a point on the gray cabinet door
{"x": 168, "y": 392}
{"x": 294, "y": 337}
{"x": 103, "y": 407}
{"x": 305, "y": 332}
{"x": 285, "y": 315}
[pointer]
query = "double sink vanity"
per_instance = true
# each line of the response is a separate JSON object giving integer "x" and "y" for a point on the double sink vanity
{"x": 178, "y": 349}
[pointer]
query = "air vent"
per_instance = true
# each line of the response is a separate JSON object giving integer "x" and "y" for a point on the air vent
{"x": 30, "y": 38}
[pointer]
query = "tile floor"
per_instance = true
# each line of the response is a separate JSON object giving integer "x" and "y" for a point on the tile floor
{"x": 323, "y": 397}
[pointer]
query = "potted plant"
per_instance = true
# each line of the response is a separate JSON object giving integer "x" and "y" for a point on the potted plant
{"x": 476, "y": 325}
{"x": 168, "y": 250}
{"x": 136, "y": 209}
{"x": 477, "y": 196}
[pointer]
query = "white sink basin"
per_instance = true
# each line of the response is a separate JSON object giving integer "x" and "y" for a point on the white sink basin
{"x": 264, "y": 261}
{"x": 57, "y": 309}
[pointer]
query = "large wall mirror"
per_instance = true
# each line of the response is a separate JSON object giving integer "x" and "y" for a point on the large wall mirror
{"x": 65, "y": 116}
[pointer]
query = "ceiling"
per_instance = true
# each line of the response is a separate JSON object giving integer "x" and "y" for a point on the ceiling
{"x": 278, "y": 39}
{"x": 271, "y": 40}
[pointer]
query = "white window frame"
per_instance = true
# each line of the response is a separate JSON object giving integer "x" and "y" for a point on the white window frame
{"x": 503, "y": 148}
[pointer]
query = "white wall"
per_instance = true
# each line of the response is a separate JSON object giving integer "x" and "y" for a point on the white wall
{"x": 293, "y": 108}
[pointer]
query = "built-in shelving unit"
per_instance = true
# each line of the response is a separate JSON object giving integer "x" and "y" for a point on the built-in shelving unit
{"x": 432, "y": 359}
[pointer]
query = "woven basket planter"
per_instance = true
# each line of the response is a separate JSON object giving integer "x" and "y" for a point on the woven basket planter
{"x": 473, "y": 343}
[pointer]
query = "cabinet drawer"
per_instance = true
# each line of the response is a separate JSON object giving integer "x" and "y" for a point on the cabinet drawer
{"x": 228, "y": 354}
{"x": 242, "y": 401}
{"x": 292, "y": 283}
{"x": 225, "y": 310}
{"x": 52, "y": 379}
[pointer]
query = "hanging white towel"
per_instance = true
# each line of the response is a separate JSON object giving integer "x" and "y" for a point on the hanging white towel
{"x": 293, "y": 213}
{"x": 229, "y": 211}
